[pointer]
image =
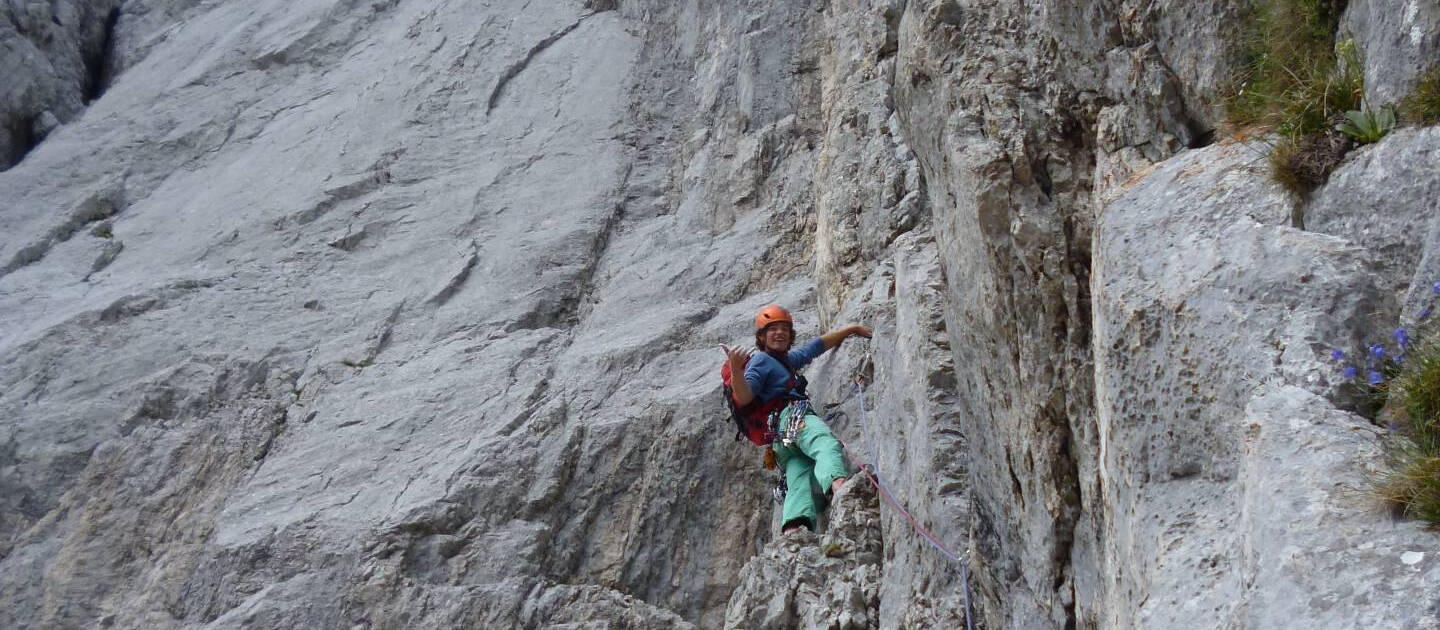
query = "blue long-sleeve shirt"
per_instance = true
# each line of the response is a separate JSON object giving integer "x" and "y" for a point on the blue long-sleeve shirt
{"x": 768, "y": 378}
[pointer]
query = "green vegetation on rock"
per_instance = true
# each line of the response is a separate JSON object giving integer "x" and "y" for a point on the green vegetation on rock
{"x": 1369, "y": 125}
{"x": 1294, "y": 78}
{"x": 1411, "y": 480}
{"x": 1422, "y": 106}
{"x": 1296, "y": 81}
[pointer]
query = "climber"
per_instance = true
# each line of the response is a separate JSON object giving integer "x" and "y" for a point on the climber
{"x": 803, "y": 447}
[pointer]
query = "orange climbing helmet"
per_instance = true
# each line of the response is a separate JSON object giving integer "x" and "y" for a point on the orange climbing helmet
{"x": 771, "y": 314}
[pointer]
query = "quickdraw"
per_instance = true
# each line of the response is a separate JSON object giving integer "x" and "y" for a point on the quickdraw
{"x": 797, "y": 410}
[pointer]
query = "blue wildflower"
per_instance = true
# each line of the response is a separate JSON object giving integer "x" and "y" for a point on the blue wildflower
{"x": 1425, "y": 312}
{"x": 1376, "y": 378}
{"x": 1350, "y": 371}
{"x": 1401, "y": 337}
{"x": 1337, "y": 355}
{"x": 1377, "y": 351}
{"x": 1435, "y": 288}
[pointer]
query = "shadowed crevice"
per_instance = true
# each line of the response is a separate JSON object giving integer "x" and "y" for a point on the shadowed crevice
{"x": 98, "y": 58}
{"x": 23, "y": 138}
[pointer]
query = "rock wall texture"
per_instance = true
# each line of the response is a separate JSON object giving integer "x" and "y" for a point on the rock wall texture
{"x": 57, "y": 59}
{"x": 382, "y": 314}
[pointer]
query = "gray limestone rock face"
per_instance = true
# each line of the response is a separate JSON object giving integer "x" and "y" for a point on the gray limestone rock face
{"x": 1029, "y": 122}
{"x": 1398, "y": 40}
{"x": 378, "y": 314}
{"x": 902, "y": 421}
{"x": 877, "y": 262}
{"x": 414, "y": 302}
{"x": 1021, "y": 118}
{"x": 802, "y": 580}
{"x": 1233, "y": 476}
{"x": 141, "y": 25}
{"x": 1386, "y": 199}
{"x": 56, "y": 60}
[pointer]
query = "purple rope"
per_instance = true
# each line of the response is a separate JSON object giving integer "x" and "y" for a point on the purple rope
{"x": 890, "y": 498}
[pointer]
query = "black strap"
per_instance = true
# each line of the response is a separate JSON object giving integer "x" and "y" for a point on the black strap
{"x": 795, "y": 377}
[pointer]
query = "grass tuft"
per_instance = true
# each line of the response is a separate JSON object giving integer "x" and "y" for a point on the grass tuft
{"x": 1293, "y": 77}
{"x": 1302, "y": 163}
{"x": 1418, "y": 386}
{"x": 1411, "y": 481}
{"x": 1422, "y": 106}
{"x": 1295, "y": 80}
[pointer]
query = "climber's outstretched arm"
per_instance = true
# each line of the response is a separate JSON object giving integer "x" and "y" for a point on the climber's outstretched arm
{"x": 834, "y": 337}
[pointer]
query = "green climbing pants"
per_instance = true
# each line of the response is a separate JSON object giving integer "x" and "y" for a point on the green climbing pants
{"x": 811, "y": 463}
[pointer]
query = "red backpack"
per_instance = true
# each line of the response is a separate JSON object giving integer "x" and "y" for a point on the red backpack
{"x": 752, "y": 420}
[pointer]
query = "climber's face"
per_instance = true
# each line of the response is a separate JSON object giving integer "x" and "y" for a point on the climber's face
{"x": 778, "y": 337}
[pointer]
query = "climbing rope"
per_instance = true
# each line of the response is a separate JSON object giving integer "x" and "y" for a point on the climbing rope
{"x": 888, "y": 497}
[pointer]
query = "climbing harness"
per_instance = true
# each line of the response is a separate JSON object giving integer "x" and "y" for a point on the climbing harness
{"x": 888, "y": 497}
{"x": 797, "y": 410}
